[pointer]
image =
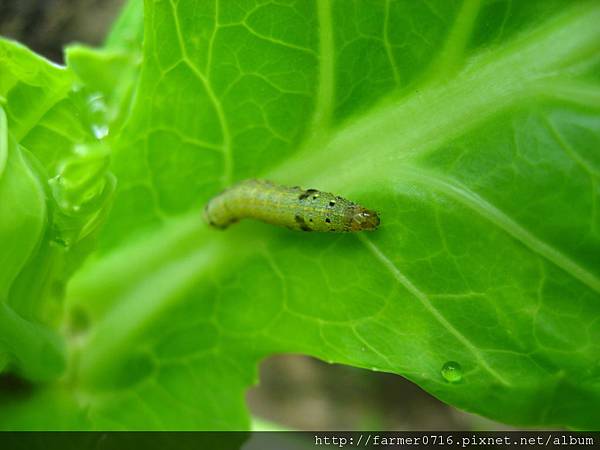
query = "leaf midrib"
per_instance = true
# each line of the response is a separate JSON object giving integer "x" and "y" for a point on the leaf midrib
{"x": 409, "y": 127}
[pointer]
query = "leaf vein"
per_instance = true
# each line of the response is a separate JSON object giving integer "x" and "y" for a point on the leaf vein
{"x": 500, "y": 219}
{"x": 424, "y": 300}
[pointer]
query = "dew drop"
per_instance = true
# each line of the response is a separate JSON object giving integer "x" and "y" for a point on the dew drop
{"x": 452, "y": 372}
{"x": 100, "y": 131}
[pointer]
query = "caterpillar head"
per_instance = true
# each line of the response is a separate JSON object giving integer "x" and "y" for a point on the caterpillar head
{"x": 363, "y": 219}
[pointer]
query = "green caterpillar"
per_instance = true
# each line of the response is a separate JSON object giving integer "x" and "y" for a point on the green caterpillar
{"x": 291, "y": 207}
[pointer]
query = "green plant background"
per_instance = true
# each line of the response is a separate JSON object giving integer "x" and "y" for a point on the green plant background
{"x": 472, "y": 127}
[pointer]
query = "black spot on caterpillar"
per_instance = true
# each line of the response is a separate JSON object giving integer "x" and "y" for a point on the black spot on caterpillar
{"x": 291, "y": 207}
{"x": 307, "y": 193}
{"x": 302, "y": 223}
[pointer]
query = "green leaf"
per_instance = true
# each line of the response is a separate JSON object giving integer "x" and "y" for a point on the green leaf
{"x": 44, "y": 113}
{"x": 113, "y": 70}
{"x": 472, "y": 127}
{"x": 31, "y": 348}
{"x": 111, "y": 75}
{"x": 48, "y": 219}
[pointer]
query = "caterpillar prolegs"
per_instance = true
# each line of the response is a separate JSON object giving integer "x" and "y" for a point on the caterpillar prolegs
{"x": 291, "y": 207}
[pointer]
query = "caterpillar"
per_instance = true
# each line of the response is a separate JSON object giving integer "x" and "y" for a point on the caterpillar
{"x": 291, "y": 207}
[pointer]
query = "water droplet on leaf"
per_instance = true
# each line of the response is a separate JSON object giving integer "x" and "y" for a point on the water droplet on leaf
{"x": 100, "y": 131}
{"x": 452, "y": 372}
